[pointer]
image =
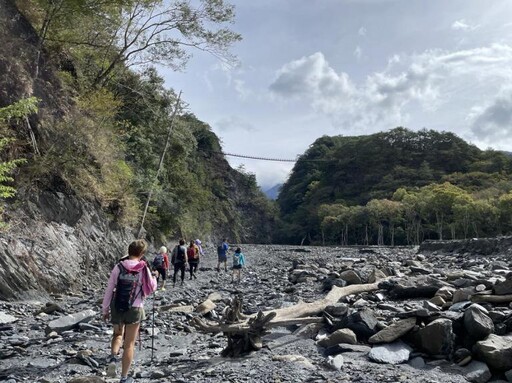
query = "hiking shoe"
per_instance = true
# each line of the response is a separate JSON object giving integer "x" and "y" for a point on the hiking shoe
{"x": 129, "y": 379}
{"x": 112, "y": 366}
{"x": 162, "y": 289}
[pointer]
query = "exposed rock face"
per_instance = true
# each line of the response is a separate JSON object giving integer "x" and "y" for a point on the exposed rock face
{"x": 57, "y": 243}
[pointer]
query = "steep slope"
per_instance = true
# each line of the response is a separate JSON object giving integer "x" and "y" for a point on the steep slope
{"x": 91, "y": 158}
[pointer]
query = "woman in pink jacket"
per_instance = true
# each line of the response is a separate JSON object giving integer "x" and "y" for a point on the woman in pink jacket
{"x": 129, "y": 284}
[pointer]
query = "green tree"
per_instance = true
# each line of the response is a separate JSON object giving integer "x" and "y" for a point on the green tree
{"x": 10, "y": 115}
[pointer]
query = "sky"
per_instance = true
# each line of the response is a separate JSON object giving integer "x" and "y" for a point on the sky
{"x": 308, "y": 68}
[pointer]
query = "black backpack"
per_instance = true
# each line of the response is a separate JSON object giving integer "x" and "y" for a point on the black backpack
{"x": 180, "y": 254}
{"x": 126, "y": 289}
{"x": 158, "y": 262}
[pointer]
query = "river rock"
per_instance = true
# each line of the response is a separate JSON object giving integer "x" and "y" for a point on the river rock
{"x": 376, "y": 275}
{"x": 477, "y": 324}
{"x": 363, "y": 323}
{"x": 6, "y": 318}
{"x": 477, "y": 372}
{"x": 343, "y": 335}
{"x": 335, "y": 362}
{"x": 496, "y": 351}
{"x": 392, "y": 353}
{"x": 503, "y": 288}
{"x": 351, "y": 277}
{"x": 437, "y": 337}
{"x": 337, "y": 310}
{"x": 70, "y": 321}
{"x": 393, "y": 331}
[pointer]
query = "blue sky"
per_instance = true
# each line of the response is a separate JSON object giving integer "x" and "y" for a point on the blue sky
{"x": 309, "y": 68}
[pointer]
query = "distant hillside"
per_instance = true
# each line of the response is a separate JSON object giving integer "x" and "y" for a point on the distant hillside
{"x": 338, "y": 174}
{"x": 273, "y": 192}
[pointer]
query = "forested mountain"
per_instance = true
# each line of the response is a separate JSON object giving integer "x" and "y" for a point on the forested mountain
{"x": 81, "y": 121}
{"x": 396, "y": 187}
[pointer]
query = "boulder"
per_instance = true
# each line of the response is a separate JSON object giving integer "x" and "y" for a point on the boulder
{"x": 496, "y": 351}
{"x": 343, "y": 335}
{"x": 363, "y": 323}
{"x": 503, "y": 288}
{"x": 477, "y": 324}
{"x": 351, "y": 277}
{"x": 462, "y": 295}
{"x": 376, "y": 275}
{"x": 393, "y": 331}
{"x": 436, "y": 338}
{"x": 68, "y": 322}
{"x": 392, "y": 353}
{"x": 477, "y": 372}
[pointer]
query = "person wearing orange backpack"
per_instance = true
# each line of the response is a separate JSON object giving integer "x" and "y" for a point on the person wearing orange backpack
{"x": 193, "y": 258}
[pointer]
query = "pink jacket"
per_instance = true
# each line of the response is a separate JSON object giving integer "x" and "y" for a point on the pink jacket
{"x": 147, "y": 283}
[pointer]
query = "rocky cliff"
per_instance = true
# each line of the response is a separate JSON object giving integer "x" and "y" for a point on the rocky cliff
{"x": 57, "y": 243}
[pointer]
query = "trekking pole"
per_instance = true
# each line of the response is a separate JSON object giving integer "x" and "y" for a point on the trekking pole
{"x": 153, "y": 331}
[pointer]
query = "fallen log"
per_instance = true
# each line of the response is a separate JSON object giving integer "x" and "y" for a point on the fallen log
{"x": 244, "y": 332}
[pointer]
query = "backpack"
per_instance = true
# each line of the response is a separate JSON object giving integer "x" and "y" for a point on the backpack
{"x": 126, "y": 289}
{"x": 180, "y": 254}
{"x": 236, "y": 259}
{"x": 220, "y": 250}
{"x": 158, "y": 261}
{"x": 191, "y": 253}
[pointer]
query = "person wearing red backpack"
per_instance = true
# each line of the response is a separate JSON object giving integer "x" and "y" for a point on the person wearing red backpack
{"x": 193, "y": 258}
{"x": 130, "y": 282}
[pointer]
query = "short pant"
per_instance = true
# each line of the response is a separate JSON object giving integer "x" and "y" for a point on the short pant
{"x": 133, "y": 315}
{"x": 222, "y": 258}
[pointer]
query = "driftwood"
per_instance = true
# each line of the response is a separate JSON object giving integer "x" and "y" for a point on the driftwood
{"x": 491, "y": 298}
{"x": 244, "y": 332}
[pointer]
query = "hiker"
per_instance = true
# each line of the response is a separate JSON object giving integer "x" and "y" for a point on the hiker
{"x": 130, "y": 282}
{"x": 161, "y": 264}
{"x": 222, "y": 252}
{"x": 179, "y": 260}
{"x": 198, "y": 243}
{"x": 238, "y": 264}
{"x": 193, "y": 258}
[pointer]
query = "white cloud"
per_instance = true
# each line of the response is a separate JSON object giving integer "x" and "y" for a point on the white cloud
{"x": 362, "y": 31}
{"x": 358, "y": 53}
{"x": 462, "y": 25}
{"x": 431, "y": 81}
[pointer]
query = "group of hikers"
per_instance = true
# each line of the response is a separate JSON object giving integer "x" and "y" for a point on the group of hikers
{"x": 133, "y": 279}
